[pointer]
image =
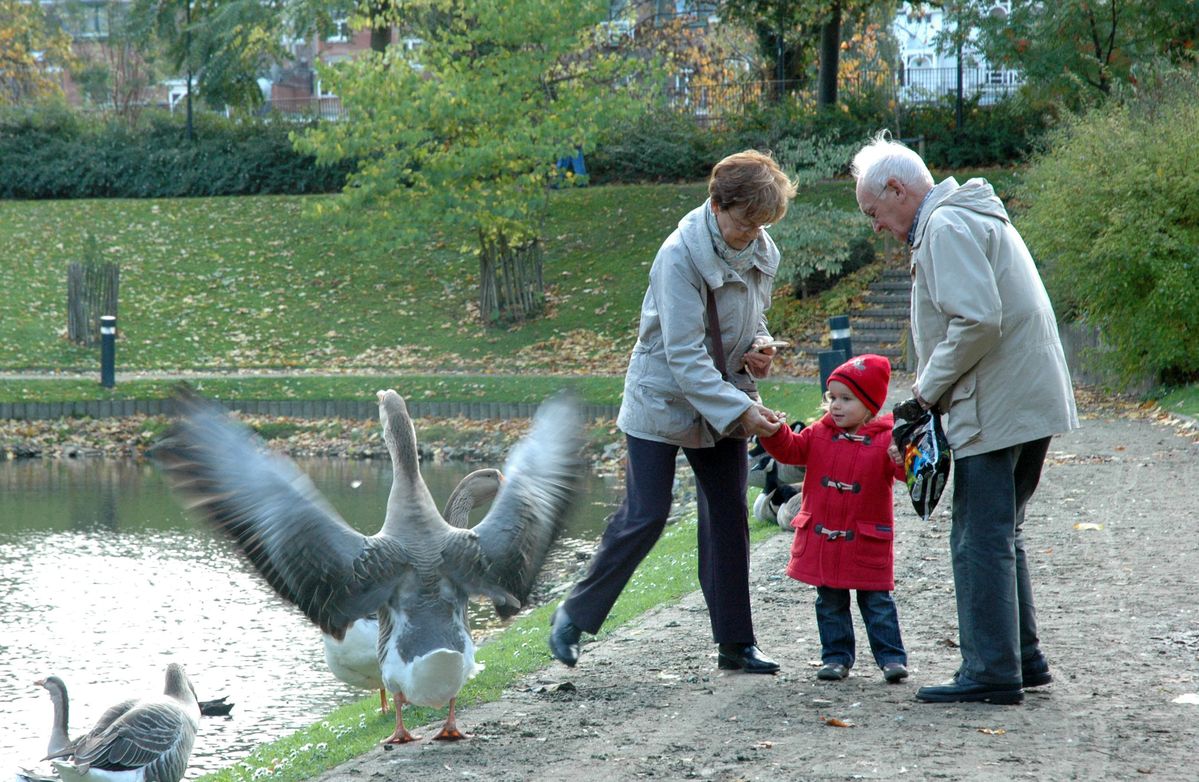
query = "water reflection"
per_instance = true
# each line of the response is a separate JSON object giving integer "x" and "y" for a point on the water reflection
{"x": 104, "y": 580}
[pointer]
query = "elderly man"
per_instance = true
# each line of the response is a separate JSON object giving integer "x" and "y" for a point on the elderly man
{"x": 989, "y": 356}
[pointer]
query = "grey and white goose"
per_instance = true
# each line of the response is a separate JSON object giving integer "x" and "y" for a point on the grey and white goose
{"x": 354, "y": 659}
{"x": 417, "y": 572}
{"x": 137, "y": 740}
{"x": 59, "y": 739}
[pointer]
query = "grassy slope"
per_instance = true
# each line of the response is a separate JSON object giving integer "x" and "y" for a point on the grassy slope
{"x": 260, "y": 282}
{"x": 257, "y": 282}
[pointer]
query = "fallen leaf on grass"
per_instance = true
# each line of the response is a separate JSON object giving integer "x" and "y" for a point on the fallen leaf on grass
{"x": 1087, "y": 525}
{"x": 993, "y": 731}
{"x": 837, "y": 722}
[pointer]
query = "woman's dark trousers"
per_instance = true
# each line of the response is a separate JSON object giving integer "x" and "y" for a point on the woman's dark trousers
{"x": 720, "y": 475}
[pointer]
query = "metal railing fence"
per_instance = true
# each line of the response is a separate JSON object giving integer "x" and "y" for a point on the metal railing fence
{"x": 913, "y": 86}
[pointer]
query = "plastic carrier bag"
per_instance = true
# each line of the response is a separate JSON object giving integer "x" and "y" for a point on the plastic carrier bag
{"x": 925, "y": 451}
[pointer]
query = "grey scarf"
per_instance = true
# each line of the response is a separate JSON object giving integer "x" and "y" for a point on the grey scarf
{"x": 738, "y": 260}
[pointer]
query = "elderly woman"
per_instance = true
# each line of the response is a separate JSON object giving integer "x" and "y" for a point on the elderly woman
{"x": 691, "y": 385}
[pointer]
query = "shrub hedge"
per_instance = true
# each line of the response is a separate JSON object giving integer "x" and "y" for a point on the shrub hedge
{"x": 54, "y": 152}
{"x": 666, "y": 146}
{"x": 58, "y": 153}
{"x": 820, "y": 244}
{"x": 1112, "y": 212}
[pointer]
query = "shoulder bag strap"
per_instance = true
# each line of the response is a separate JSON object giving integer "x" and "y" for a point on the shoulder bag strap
{"x": 714, "y": 333}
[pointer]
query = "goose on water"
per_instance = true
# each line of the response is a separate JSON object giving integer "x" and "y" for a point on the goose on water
{"x": 59, "y": 740}
{"x": 417, "y": 572}
{"x": 354, "y": 659}
{"x": 137, "y": 740}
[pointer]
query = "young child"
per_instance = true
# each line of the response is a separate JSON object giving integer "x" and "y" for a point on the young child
{"x": 843, "y": 530}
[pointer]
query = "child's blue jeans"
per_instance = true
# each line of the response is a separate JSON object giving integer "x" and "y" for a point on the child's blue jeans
{"x": 836, "y": 626}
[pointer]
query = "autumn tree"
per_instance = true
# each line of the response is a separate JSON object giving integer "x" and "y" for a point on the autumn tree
{"x": 32, "y": 48}
{"x": 1083, "y": 47}
{"x": 793, "y": 34}
{"x": 708, "y": 63}
{"x": 785, "y": 32}
{"x": 831, "y": 16}
{"x": 470, "y": 135}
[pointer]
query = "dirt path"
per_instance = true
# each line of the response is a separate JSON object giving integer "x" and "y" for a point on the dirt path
{"x": 1111, "y": 541}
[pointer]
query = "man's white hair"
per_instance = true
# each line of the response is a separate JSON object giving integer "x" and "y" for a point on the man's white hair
{"x": 883, "y": 159}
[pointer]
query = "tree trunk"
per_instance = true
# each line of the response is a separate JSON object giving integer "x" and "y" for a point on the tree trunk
{"x": 92, "y": 289}
{"x": 511, "y": 286}
{"x": 830, "y": 58}
{"x": 380, "y": 25}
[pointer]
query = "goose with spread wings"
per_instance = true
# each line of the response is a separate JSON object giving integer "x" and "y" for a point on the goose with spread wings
{"x": 417, "y": 572}
{"x": 354, "y": 658}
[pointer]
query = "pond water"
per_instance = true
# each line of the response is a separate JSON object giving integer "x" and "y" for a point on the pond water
{"x": 104, "y": 580}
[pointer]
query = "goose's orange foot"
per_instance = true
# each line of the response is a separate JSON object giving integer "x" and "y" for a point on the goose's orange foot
{"x": 401, "y": 736}
{"x": 450, "y": 733}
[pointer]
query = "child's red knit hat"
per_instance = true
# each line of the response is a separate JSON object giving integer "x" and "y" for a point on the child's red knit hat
{"x": 867, "y": 376}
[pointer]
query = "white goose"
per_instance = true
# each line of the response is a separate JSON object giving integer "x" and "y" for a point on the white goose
{"x": 354, "y": 659}
{"x": 417, "y": 572}
{"x": 137, "y": 740}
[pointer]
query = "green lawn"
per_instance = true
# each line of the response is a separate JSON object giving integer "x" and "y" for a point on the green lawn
{"x": 264, "y": 282}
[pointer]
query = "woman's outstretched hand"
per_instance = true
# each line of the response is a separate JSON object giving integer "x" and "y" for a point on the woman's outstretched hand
{"x": 760, "y": 420}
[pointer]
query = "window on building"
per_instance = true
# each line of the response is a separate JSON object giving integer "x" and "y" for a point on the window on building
{"x": 93, "y": 21}
{"x": 341, "y": 30}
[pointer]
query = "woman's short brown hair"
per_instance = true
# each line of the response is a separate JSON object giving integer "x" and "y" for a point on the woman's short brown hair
{"x": 753, "y": 181}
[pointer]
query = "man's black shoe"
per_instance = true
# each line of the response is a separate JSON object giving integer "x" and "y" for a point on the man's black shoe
{"x": 1037, "y": 674}
{"x": 744, "y": 657}
{"x": 957, "y": 692}
{"x": 564, "y": 638}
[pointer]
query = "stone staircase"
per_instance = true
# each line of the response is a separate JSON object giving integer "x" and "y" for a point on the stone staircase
{"x": 881, "y": 326}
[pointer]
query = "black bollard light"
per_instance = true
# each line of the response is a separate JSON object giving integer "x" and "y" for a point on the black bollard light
{"x": 829, "y": 360}
{"x": 839, "y": 337}
{"x": 108, "y": 350}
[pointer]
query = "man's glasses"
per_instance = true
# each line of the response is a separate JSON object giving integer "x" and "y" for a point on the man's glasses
{"x": 874, "y": 204}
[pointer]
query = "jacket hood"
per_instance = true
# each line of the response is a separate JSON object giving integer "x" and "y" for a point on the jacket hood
{"x": 976, "y": 194}
{"x": 693, "y": 230}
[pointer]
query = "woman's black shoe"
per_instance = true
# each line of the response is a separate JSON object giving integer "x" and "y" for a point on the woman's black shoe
{"x": 744, "y": 657}
{"x": 564, "y": 638}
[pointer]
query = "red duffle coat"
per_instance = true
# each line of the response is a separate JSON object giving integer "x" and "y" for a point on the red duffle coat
{"x": 844, "y": 528}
